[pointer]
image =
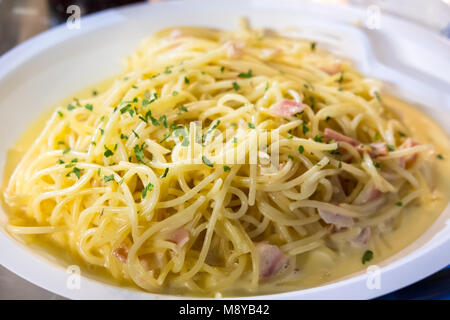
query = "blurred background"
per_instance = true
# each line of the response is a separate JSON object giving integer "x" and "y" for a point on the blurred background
{"x": 22, "y": 19}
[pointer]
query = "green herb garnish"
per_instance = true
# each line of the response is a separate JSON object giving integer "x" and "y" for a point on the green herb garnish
{"x": 109, "y": 178}
{"x": 138, "y": 152}
{"x": 207, "y": 162}
{"x": 148, "y": 188}
{"x": 165, "y": 173}
{"x": 367, "y": 256}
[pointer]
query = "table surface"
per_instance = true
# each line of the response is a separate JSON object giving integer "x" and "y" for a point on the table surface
{"x": 22, "y": 19}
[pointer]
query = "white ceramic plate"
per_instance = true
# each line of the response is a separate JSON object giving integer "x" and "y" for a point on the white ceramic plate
{"x": 60, "y": 62}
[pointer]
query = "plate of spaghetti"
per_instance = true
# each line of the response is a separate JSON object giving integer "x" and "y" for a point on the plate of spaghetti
{"x": 254, "y": 161}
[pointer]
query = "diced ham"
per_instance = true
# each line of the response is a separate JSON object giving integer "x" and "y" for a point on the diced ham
{"x": 334, "y": 135}
{"x": 405, "y": 162}
{"x": 335, "y": 219}
{"x": 362, "y": 238}
{"x": 151, "y": 261}
{"x": 287, "y": 108}
{"x": 271, "y": 259}
{"x": 375, "y": 149}
{"x": 331, "y": 68}
{"x": 367, "y": 195}
{"x": 175, "y": 34}
{"x": 339, "y": 192}
{"x": 180, "y": 236}
{"x": 374, "y": 194}
{"x": 267, "y": 54}
{"x": 234, "y": 49}
{"x": 121, "y": 252}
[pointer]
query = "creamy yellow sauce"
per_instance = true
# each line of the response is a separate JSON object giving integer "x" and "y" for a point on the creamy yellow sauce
{"x": 318, "y": 266}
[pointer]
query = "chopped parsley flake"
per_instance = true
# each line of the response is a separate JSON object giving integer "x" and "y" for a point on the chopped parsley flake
{"x": 149, "y": 115}
{"x": 186, "y": 80}
{"x": 108, "y": 153}
{"x": 367, "y": 256}
{"x": 390, "y": 147}
{"x": 318, "y": 138}
{"x": 138, "y": 152}
{"x": 399, "y": 204}
{"x": 246, "y": 75}
{"x": 165, "y": 173}
{"x": 148, "y": 188}
{"x": 313, "y": 46}
{"x": 236, "y": 87}
{"x": 226, "y": 168}
{"x": 440, "y": 157}
{"x": 109, "y": 178}
{"x": 301, "y": 149}
{"x": 76, "y": 171}
{"x": 377, "y": 95}
{"x": 183, "y": 108}
{"x": 251, "y": 125}
{"x": 89, "y": 106}
{"x": 207, "y": 162}
{"x": 163, "y": 119}
{"x": 125, "y": 109}
{"x": 305, "y": 129}
{"x": 341, "y": 77}
{"x": 66, "y": 151}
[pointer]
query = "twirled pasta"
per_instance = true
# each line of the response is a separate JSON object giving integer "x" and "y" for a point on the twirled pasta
{"x": 109, "y": 177}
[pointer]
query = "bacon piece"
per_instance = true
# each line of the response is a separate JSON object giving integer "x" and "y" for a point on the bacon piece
{"x": 405, "y": 162}
{"x": 234, "y": 49}
{"x": 335, "y": 219}
{"x": 287, "y": 108}
{"x": 151, "y": 261}
{"x": 367, "y": 195}
{"x": 121, "y": 252}
{"x": 375, "y": 149}
{"x": 271, "y": 259}
{"x": 362, "y": 238}
{"x": 339, "y": 192}
{"x": 180, "y": 236}
{"x": 334, "y": 135}
{"x": 331, "y": 68}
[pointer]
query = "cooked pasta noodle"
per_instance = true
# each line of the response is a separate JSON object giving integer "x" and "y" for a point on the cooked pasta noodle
{"x": 218, "y": 163}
